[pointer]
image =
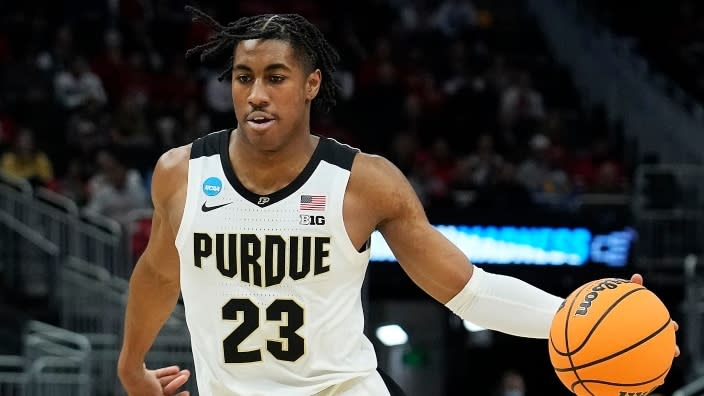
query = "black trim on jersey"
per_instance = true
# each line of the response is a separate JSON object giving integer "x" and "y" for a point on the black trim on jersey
{"x": 327, "y": 150}
{"x": 207, "y": 145}
{"x": 338, "y": 154}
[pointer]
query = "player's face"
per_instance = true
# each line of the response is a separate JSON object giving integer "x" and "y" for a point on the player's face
{"x": 271, "y": 91}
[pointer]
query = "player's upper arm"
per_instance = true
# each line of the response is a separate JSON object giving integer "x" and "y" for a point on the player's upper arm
{"x": 432, "y": 261}
{"x": 168, "y": 197}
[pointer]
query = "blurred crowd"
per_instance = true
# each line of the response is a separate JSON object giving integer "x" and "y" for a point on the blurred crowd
{"x": 460, "y": 94}
{"x": 671, "y": 37}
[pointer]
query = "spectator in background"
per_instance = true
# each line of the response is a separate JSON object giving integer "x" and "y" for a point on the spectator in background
{"x": 455, "y": 17}
{"x": 505, "y": 194}
{"x": 480, "y": 167}
{"x": 608, "y": 180}
{"x": 512, "y": 384}
{"x": 87, "y": 129}
{"x": 541, "y": 176}
{"x": 26, "y": 161}
{"x": 438, "y": 168}
{"x": 218, "y": 99}
{"x": 7, "y": 131}
{"x": 521, "y": 108}
{"x": 131, "y": 126}
{"x": 406, "y": 154}
{"x": 78, "y": 85}
{"x": 112, "y": 67}
{"x": 116, "y": 189}
{"x": 73, "y": 183}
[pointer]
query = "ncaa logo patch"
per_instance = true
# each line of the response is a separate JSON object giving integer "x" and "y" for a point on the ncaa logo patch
{"x": 212, "y": 186}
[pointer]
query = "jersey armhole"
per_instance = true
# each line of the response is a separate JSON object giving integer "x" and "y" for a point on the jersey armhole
{"x": 186, "y": 218}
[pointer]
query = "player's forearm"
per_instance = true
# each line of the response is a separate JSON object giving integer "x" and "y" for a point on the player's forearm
{"x": 506, "y": 304}
{"x": 150, "y": 302}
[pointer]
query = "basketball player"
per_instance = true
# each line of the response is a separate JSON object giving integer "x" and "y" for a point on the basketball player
{"x": 265, "y": 231}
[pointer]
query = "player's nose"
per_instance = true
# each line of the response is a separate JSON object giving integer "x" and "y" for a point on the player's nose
{"x": 258, "y": 96}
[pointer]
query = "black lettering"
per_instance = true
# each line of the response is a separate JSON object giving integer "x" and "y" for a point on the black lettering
{"x": 320, "y": 253}
{"x": 249, "y": 260}
{"x": 606, "y": 284}
{"x": 294, "y": 271}
{"x": 274, "y": 274}
{"x": 227, "y": 267}
{"x": 584, "y": 306}
{"x": 202, "y": 247}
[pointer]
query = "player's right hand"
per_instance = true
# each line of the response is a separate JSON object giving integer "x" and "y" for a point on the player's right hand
{"x": 160, "y": 382}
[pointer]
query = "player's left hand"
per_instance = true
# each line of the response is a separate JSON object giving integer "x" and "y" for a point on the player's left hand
{"x": 638, "y": 278}
{"x": 171, "y": 378}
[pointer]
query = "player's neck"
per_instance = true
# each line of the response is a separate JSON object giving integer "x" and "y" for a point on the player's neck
{"x": 265, "y": 172}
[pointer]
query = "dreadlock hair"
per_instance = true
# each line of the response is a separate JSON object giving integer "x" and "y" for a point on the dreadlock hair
{"x": 308, "y": 42}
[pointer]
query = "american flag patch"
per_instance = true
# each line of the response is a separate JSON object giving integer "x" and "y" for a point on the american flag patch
{"x": 313, "y": 202}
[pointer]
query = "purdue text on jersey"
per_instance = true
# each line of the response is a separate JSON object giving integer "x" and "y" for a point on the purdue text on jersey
{"x": 263, "y": 261}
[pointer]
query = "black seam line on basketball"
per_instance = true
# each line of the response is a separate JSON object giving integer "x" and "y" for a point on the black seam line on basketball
{"x": 567, "y": 339}
{"x": 601, "y": 319}
{"x": 613, "y": 355}
{"x": 617, "y": 383}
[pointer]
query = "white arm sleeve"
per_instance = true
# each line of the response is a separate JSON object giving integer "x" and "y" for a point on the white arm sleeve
{"x": 505, "y": 304}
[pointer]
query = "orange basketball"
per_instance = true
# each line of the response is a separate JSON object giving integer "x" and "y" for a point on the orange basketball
{"x": 612, "y": 337}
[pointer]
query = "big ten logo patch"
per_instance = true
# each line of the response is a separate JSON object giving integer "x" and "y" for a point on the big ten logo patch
{"x": 212, "y": 186}
{"x": 312, "y": 220}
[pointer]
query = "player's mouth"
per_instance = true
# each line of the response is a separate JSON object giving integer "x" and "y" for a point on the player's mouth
{"x": 260, "y": 120}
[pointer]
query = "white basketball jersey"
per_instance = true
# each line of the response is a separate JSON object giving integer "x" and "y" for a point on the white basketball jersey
{"x": 271, "y": 283}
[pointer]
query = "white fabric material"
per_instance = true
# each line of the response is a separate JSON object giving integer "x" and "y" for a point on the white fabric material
{"x": 505, "y": 304}
{"x": 371, "y": 385}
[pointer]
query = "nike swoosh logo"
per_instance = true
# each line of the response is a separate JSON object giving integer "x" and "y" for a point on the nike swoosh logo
{"x": 206, "y": 208}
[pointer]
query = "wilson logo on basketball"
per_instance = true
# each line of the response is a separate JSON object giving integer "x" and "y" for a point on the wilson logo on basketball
{"x": 592, "y": 295}
{"x": 622, "y": 393}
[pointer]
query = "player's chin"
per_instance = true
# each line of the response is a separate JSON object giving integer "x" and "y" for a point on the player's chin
{"x": 267, "y": 139}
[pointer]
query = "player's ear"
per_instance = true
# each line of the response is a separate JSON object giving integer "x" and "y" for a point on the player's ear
{"x": 313, "y": 84}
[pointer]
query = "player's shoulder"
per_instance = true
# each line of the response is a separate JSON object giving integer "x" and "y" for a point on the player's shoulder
{"x": 170, "y": 172}
{"x": 381, "y": 187}
{"x": 373, "y": 167}
{"x": 367, "y": 171}
{"x": 174, "y": 160}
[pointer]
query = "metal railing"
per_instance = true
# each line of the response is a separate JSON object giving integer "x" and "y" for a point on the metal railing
{"x": 28, "y": 261}
{"x": 668, "y": 208}
{"x": 694, "y": 388}
{"x": 58, "y": 219}
{"x": 693, "y": 307}
{"x": 84, "y": 262}
{"x": 54, "y": 362}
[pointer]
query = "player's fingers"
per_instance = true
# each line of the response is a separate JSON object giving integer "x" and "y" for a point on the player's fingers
{"x": 637, "y": 278}
{"x": 677, "y": 348}
{"x": 177, "y": 382}
{"x": 164, "y": 371}
{"x": 163, "y": 381}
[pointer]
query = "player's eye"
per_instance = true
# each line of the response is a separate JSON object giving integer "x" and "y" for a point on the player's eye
{"x": 243, "y": 78}
{"x": 276, "y": 79}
